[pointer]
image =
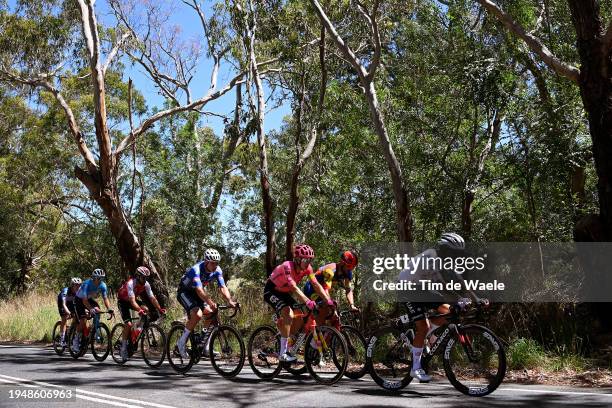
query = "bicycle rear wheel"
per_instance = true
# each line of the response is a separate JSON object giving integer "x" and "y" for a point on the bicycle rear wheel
{"x": 153, "y": 345}
{"x": 326, "y": 366}
{"x": 474, "y": 360}
{"x": 100, "y": 342}
{"x": 389, "y": 359}
{"x": 57, "y": 339}
{"x": 116, "y": 338}
{"x": 263, "y": 350}
{"x": 177, "y": 362}
{"x": 227, "y": 351}
{"x": 356, "y": 343}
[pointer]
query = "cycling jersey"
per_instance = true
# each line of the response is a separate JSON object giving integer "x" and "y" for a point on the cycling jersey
{"x": 131, "y": 288}
{"x": 89, "y": 290}
{"x": 286, "y": 277}
{"x": 197, "y": 276}
{"x": 327, "y": 285}
{"x": 67, "y": 295}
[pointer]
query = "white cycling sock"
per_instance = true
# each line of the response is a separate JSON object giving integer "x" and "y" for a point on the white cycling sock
{"x": 416, "y": 357}
{"x": 183, "y": 338}
{"x": 283, "y": 345}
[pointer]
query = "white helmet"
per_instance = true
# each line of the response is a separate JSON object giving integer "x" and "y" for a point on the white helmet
{"x": 452, "y": 240}
{"x": 212, "y": 255}
{"x": 76, "y": 281}
{"x": 98, "y": 273}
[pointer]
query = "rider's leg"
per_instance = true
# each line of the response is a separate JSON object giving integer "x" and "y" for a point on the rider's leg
{"x": 63, "y": 326}
{"x": 195, "y": 315}
{"x": 284, "y": 327}
{"x": 207, "y": 311}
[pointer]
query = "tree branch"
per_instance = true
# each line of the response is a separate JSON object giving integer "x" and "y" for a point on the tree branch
{"x": 114, "y": 51}
{"x": 534, "y": 43}
{"x": 344, "y": 48}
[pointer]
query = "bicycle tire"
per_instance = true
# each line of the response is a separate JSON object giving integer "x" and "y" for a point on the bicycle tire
{"x": 487, "y": 338}
{"x": 330, "y": 350}
{"x": 57, "y": 339}
{"x": 157, "y": 340}
{"x": 175, "y": 360}
{"x": 356, "y": 344}
{"x": 83, "y": 349}
{"x": 388, "y": 358}
{"x": 100, "y": 354}
{"x": 220, "y": 335}
{"x": 271, "y": 348}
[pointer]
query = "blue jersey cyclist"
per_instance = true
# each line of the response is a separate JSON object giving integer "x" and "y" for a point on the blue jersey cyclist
{"x": 85, "y": 302}
{"x": 65, "y": 305}
{"x": 195, "y": 300}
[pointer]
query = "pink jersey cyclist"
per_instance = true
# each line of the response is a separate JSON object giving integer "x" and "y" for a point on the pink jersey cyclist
{"x": 286, "y": 277}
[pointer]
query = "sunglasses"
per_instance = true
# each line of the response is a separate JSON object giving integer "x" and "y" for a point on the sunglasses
{"x": 304, "y": 260}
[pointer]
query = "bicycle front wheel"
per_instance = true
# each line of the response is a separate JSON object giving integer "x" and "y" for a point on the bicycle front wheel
{"x": 389, "y": 359}
{"x": 263, "y": 351}
{"x": 356, "y": 343}
{"x": 227, "y": 351}
{"x": 57, "y": 339}
{"x": 474, "y": 360}
{"x": 100, "y": 342}
{"x": 327, "y": 356}
{"x": 153, "y": 345}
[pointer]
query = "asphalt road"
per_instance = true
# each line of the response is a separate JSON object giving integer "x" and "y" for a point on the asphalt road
{"x": 106, "y": 384}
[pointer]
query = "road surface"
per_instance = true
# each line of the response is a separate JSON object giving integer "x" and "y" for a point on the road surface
{"x": 135, "y": 385}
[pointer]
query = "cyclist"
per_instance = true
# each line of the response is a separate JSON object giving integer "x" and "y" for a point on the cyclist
{"x": 65, "y": 305}
{"x": 282, "y": 283}
{"x": 450, "y": 245}
{"x": 195, "y": 300}
{"x": 339, "y": 272}
{"x": 130, "y": 298}
{"x": 85, "y": 302}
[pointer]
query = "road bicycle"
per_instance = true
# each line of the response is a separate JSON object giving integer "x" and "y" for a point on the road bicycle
{"x": 226, "y": 349}
{"x": 473, "y": 356}
{"x": 324, "y": 349}
{"x": 148, "y": 335}
{"x": 97, "y": 336}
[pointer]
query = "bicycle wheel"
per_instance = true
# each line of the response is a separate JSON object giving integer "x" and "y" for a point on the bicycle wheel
{"x": 227, "y": 351}
{"x": 263, "y": 351}
{"x": 389, "y": 359}
{"x": 177, "y": 362}
{"x": 100, "y": 342}
{"x": 474, "y": 360}
{"x": 57, "y": 339}
{"x": 116, "y": 338}
{"x": 153, "y": 345}
{"x": 356, "y": 343}
{"x": 327, "y": 365}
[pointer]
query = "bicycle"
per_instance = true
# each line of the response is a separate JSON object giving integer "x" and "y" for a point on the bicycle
{"x": 325, "y": 359}
{"x": 150, "y": 336}
{"x": 473, "y": 356}
{"x": 98, "y": 338}
{"x": 56, "y": 335}
{"x": 226, "y": 347}
{"x": 355, "y": 341}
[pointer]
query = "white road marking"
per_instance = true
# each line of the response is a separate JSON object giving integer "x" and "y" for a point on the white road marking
{"x": 89, "y": 394}
{"x": 536, "y": 390}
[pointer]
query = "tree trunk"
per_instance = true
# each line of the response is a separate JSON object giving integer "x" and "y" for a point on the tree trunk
{"x": 130, "y": 250}
{"x": 596, "y": 91}
{"x": 466, "y": 213}
{"x": 402, "y": 207}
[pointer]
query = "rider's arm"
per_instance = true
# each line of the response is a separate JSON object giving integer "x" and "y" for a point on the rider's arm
{"x": 153, "y": 300}
{"x": 349, "y": 292}
{"x": 133, "y": 304}
{"x": 107, "y": 303}
{"x": 319, "y": 289}
{"x": 204, "y": 294}
{"x": 226, "y": 294}
{"x": 303, "y": 298}
{"x": 64, "y": 303}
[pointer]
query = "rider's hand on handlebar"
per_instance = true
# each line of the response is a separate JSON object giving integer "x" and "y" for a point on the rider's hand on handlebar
{"x": 311, "y": 304}
{"x": 232, "y": 304}
{"x": 331, "y": 302}
{"x": 162, "y": 310}
{"x": 94, "y": 311}
{"x": 142, "y": 312}
{"x": 212, "y": 304}
{"x": 353, "y": 308}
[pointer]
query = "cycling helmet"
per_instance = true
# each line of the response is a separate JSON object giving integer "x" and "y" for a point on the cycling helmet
{"x": 303, "y": 251}
{"x": 76, "y": 281}
{"x": 98, "y": 273}
{"x": 452, "y": 240}
{"x": 143, "y": 271}
{"x": 349, "y": 258}
{"x": 212, "y": 254}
